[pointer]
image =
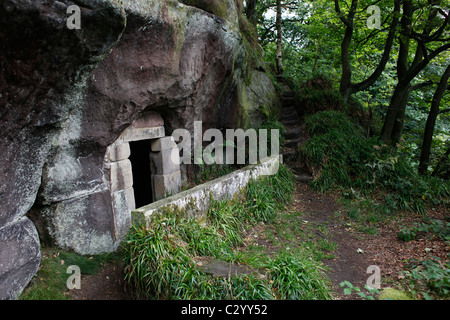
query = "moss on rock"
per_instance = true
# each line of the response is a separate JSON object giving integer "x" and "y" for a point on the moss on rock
{"x": 394, "y": 294}
{"x": 217, "y": 7}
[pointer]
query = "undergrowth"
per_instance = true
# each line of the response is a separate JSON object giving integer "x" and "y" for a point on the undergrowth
{"x": 342, "y": 158}
{"x": 160, "y": 261}
{"x": 377, "y": 182}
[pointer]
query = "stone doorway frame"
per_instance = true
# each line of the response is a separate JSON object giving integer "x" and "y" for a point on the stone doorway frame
{"x": 165, "y": 173}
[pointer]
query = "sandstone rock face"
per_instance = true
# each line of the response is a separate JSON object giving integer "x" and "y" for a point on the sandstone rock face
{"x": 19, "y": 256}
{"x": 43, "y": 69}
{"x": 68, "y": 97}
{"x": 260, "y": 101}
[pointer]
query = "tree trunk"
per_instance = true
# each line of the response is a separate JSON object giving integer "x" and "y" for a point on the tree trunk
{"x": 395, "y": 113}
{"x": 279, "y": 52}
{"x": 431, "y": 121}
{"x": 397, "y": 129}
{"x": 442, "y": 168}
{"x": 406, "y": 71}
{"x": 346, "y": 76}
{"x": 393, "y": 121}
{"x": 250, "y": 11}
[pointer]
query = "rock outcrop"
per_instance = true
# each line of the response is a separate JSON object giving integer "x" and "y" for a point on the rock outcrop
{"x": 44, "y": 67}
{"x": 67, "y": 95}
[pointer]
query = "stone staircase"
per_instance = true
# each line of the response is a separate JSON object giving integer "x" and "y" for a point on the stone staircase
{"x": 294, "y": 134}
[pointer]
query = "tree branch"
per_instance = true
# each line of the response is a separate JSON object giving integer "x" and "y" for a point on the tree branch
{"x": 386, "y": 53}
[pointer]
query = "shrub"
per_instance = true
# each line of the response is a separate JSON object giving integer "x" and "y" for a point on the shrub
{"x": 337, "y": 152}
{"x": 341, "y": 157}
{"x": 155, "y": 262}
{"x": 317, "y": 95}
{"x": 269, "y": 194}
{"x": 298, "y": 278}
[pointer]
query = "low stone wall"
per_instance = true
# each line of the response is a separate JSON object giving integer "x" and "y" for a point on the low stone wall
{"x": 196, "y": 201}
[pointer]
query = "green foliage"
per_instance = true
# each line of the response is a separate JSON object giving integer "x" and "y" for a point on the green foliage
{"x": 206, "y": 240}
{"x": 50, "y": 281}
{"x": 272, "y": 123}
{"x": 278, "y": 187}
{"x": 337, "y": 151}
{"x": 343, "y": 158}
{"x": 350, "y": 289}
{"x": 155, "y": 262}
{"x": 222, "y": 216}
{"x": 434, "y": 227}
{"x": 429, "y": 279}
{"x": 394, "y": 294}
{"x": 317, "y": 94}
{"x": 206, "y": 172}
{"x": 298, "y": 278}
{"x": 212, "y": 6}
{"x": 257, "y": 206}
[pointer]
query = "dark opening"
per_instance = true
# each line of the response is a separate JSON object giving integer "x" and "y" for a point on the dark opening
{"x": 140, "y": 163}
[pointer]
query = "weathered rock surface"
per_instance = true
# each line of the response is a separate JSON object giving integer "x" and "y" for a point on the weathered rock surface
{"x": 19, "y": 256}
{"x": 43, "y": 68}
{"x": 67, "y": 95}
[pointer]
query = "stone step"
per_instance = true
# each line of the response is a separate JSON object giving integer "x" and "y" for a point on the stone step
{"x": 288, "y": 99}
{"x": 291, "y": 143}
{"x": 289, "y": 116}
{"x": 303, "y": 178}
{"x": 219, "y": 268}
{"x": 289, "y": 122}
{"x": 293, "y": 133}
{"x": 288, "y": 94}
{"x": 301, "y": 175}
{"x": 288, "y": 110}
{"x": 288, "y": 154}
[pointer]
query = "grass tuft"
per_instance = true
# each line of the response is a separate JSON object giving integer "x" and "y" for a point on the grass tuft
{"x": 160, "y": 262}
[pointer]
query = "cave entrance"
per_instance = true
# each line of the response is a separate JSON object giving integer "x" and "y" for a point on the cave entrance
{"x": 141, "y": 171}
{"x": 138, "y": 165}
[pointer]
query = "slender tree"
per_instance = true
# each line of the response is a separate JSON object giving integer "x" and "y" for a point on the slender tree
{"x": 426, "y": 50}
{"x": 347, "y": 88}
{"x": 431, "y": 121}
{"x": 279, "y": 53}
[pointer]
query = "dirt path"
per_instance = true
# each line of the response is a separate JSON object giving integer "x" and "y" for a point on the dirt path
{"x": 348, "y": 264}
